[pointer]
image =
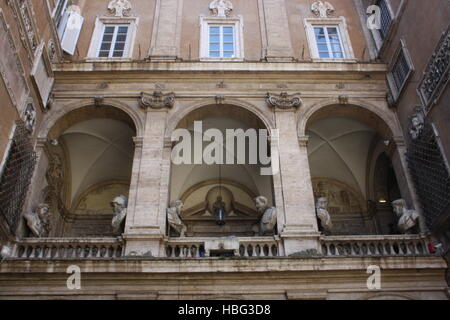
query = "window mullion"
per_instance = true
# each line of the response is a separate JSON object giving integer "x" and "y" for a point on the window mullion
{"x": 327, "y": 39}
{"x": 113, "y": 41}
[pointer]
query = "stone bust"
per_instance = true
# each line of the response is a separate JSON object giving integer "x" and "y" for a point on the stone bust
{"x": 407, "y": 219}
{"x": 417, "y": 124}
{"x": 323, "y": 215}
{"x": 39, "y": 221}
{"x": 269, "y": 216}
{"x": 173, "y": 217}
{"x": 119, "y": 205}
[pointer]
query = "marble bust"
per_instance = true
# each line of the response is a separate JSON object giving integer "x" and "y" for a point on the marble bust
{"x": 407, "y": 219}
{"x": 173, "y": 217}
{"x": 39, "y": 221}
{"x": 269, "y": 216}
{"x": 323, "y": 215}
{"x": 119, "y": 205}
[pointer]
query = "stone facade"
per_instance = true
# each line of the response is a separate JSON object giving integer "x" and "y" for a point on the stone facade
{"x": 103, "y": 127}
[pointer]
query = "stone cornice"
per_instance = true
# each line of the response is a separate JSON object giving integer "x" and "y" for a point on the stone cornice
{"x": 219, "y": 66}
{"x": 213, "y": 265}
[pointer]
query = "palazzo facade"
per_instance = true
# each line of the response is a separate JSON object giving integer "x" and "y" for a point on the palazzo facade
{"x": 354, "y": 107}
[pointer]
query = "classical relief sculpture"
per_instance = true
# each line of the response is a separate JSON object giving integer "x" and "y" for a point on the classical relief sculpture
{"x": 283, "y": 101}
{"x": 221, "y": 8}
{"x": 322, "y": 9}
{"x": 30, "y": 117}
{"x": 323, "y": 215}
{"x": 408, "y": 219}
{"x": 119, "y": 205}
{"x": 269, "y": 217}
{"x": 417, "y": 124}
{"x": 157, "y": 100}
{"x": 120, "y": 8}
{"x": 173, "y": 216}
{"x": 39, "y": 221}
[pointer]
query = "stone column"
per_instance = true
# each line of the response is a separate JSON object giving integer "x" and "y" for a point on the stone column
{"x": 145, "y": 226}
{"x": 397, "y": 154}
{"x": 165, "y": 44}
{"x": 275, "y": 30}
{"x": 300, "y": 231}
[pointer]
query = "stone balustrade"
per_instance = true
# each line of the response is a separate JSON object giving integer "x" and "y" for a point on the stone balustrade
{"x": 259, "y": 247}
{"x": 203, "y": 247}
{"x": 67, "y": 248}
{"x": 391, "y": 245}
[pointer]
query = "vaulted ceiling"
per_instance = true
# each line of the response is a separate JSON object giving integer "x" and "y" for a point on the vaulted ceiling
{"x": 338, "y": 149}
{"x": 99, "y": 150}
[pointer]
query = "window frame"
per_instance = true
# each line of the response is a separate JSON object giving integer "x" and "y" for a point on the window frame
{"x": 344, "y": 37}
{"x": 97, "y": 38}
{"x": 397, "y": 92}
{"x": 237, "y": 24}
{"x": 221, "y": 40}
{"x": 114, "y": 40}
{"x": 328, "y": 43}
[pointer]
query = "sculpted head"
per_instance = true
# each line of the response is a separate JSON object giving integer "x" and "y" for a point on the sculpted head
{"x": 322, "y": 203}
{"x": 261, "y": 203}
{"x": 119, "y": 203}
{"x": 178, "y": 204}
{"x": 398, "y": 206}
{"x": 43, "y": 210}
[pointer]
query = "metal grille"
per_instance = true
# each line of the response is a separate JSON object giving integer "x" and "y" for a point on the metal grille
{"x": 16, "y": 176}
{"x": 385, "y": 18}
{"x": 431, "y": 176}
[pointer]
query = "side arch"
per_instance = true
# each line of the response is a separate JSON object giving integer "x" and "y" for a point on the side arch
{"x": 49, "y": 123}
{"x": 387, "y": 125}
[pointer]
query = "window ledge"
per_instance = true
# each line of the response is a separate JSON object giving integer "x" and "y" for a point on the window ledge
{"x": 336, "y": 60}
{"x": 108, "y": 60}
{"x": 221, "y": 59}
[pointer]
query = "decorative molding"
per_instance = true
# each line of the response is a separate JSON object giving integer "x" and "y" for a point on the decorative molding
{"x": 221, "y": 8}
{"x": 417, "y": 122}
{"x": 157, "y": 100}
{"x": 14, "y": 78}
{"x": 219, "y": 99}
{"x": 29, "y": 116}
{"x": 23, "y": 13}
{"x": 437, "y": 73}
{"x": 52, "y": 51}
{"x": 343, "y": 99}
{"x": 98, "y": 101}
{"x": 322, "y": 9}
{"x": 120, "y": 8}
{"x": 283, "y": 101}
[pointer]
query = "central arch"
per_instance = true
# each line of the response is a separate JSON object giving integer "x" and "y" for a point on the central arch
{"x": 202, "y": 186}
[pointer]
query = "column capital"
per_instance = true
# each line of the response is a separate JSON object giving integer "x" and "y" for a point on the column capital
{"x": 157, "y": 100}
{"x": 138, "y": 141}
{"x": 283, "y": 101}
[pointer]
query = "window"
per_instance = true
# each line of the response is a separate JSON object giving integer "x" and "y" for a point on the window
{"x": 400, "y": 70}
{"x": 221, "y": 39}
{"x": 328, "y": 42}
{"x": 221, "y": 42}
{"x": 386, "y": 18}
{"x": 60, "y": 16}
{"x": 114, "y": 41}
{"x": 113, "y": 38}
